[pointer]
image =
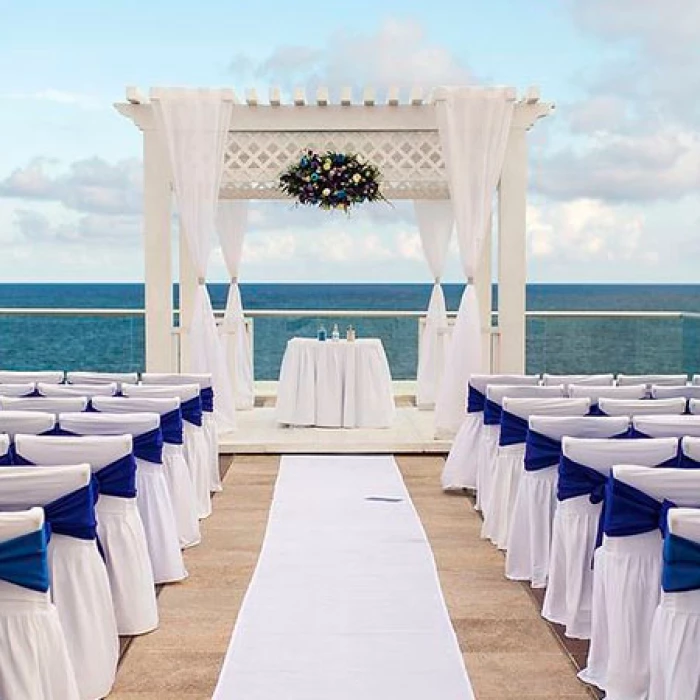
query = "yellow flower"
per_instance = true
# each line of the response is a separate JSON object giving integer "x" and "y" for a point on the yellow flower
{"x": 327, "y": 165}
{"x": 357, "y": 178}
{"x": 326, "y": 192}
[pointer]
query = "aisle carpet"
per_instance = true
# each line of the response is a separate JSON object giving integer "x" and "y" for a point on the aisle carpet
{"x": 345, "y": 602}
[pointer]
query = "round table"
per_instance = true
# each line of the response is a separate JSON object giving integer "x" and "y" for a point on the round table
{"x": 335, "y": 384}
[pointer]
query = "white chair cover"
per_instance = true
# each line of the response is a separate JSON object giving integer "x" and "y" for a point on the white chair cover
{"x": 44, "y": 404}
{"x": 667, "y": 426}
{"x": 34, "y": 663}
{"x": 490, "y": 434}
{"x": 675, "y": 632}
{"x": 4, "y": 447}
{"x": 117, "y": 378}
{"x": 152, "y": 493}
{"x": 509, "y": 461}
{"x": 575, "y": 528}
{"x": 642, "y": 407}
{"x": 530, "y": 536}
{"x": 25, "y": 389}
{"x": 28, "y": 422}
{"x": 580, "y": 379}
{"x": 627, "y": 586}
{"x": 209, "y": 424}
{"x": 196, "y": 444}
{"x": 461, "y": 466}
{"x": 11, "y": 377}
{"x": 694, "y": 406}
{"x": 690, "y": 446}
{"x": 182, "y": 491}
{"x": 119, "y": 525}
{"x": 595, "y": 393}
{"x": 650, "y": 379}
{"x": 79, "y": 581}
{"x": 689, "y": 391}
{"x": 87, "y": 390}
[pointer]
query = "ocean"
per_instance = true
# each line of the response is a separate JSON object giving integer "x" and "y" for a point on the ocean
{"x": 553, "y": 344}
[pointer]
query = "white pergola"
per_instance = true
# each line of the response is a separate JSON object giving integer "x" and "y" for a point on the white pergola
{"x": 401, "y": 137}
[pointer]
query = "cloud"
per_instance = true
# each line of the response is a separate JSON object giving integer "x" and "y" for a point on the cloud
{"x": 399, "y": 53}
{"x": 90, "y": 186}
{"x": 62, "y": 97}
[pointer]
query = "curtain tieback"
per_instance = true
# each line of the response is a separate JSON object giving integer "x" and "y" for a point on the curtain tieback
{"x": 470, "y": 280}
{"x": 201, "y": 281}
{"x": 437, "y": 280}
{"x": 234, "y": 280}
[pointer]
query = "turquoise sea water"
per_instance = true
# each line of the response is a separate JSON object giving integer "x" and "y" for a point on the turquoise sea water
{"x": 554, "y": 345}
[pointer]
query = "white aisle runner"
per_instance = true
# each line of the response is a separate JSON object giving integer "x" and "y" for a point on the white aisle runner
{"x": 345, "y": 602}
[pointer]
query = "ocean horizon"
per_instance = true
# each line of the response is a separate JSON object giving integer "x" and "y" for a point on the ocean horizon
{"x": 553, "y": 345}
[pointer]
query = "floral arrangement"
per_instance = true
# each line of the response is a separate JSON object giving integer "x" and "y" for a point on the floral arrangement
{"x": 332, "y": 180}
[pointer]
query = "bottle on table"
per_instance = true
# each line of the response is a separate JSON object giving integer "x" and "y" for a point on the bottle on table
{"x": 350, "y": 334}
{"x": 322, "y": 335}
{"x": 335, "y": 333}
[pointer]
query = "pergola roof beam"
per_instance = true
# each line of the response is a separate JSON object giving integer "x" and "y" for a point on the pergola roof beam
{"x": 346, "y": 96}
{"x": 322, "y": 99}
{"x": 299, "y": 97}
{"x": 275, "y": 97}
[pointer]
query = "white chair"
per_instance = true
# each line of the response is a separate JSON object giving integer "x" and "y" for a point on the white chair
{"x": 11, "y": 377}
{"x": 87, "y": 390}
{"x": 511, "y": 452}
{"x": 642, "y": 407}
{"x": 5, "y": 457}
{"x": 119, "y": 525}
{"x": 25, "y": 389}
{"x": 177, "y": 472}
{"x": 530, "y": 536}
{"x": 44, "y": 404}
{"x": 208, "y": 415}
{"x": 152, "y": 493}
{"x": 583, "y": 472}
{"x": 690, "y": 452}
{"x": 196, "y": 445}
{"x": 665, "y": 426}
{"x": 595, "y": 393}
{"x": 689, "y": 391}
{"x": 34, "y": 663}
{"x": 117, "y": 378}
{"x": 28, "y": 422}
{"x": 79, "y": 581}
{"x": 627, "y": 574}
{"x": 675, "y": 631}
{"x": 490, "y": 432}
{"x": 580, "y": 379}
{"x": 694, "y": 407}
{"x": 650, "y": 379}
{"x": 461, "y": 466}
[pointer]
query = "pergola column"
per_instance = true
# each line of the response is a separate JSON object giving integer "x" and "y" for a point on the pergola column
{"x": 157, "y": 255}
{"x": 512, "y": 259}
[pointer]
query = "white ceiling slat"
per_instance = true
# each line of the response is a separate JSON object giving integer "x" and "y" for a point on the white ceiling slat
{"x": 416, "y": 97}
{"x": 299, "y": 97}
{"x": 346, "y": 96}
{"x": 275, "y": 97}
{"x": 393, "y": 96}
{"x": 251, "y": 97}
{"x": 135, "y": 96}
{"x": 368, "y": 97}
{"x": 322, "y": 98}
{"x": 532, "y": 94}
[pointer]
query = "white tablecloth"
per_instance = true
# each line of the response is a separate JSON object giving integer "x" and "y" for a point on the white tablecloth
{"x": 335, "y": 384}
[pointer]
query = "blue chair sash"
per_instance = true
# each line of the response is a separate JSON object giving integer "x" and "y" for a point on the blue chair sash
{"x": 475, "y": 400}
{"x": 629, "y": 511}
{"x": 149, "y": 446}
{"x": 686, "y": 462}
{"x": 171, "y": 426}
{"x": 594, "y": 410}
{"x": 23, "y": 561}
{"x": 492, "y": 413}
{"x": 207, "y": 396}
{"x": 192, "y": 411}
{"x": 681, "y": 570}
{"x": 115, "y": 479}
{"x": 6, "y": 459}
{"x": 541, "y": 451}
{"x": 73, "y": 515}
{"x": 513, "y": 429}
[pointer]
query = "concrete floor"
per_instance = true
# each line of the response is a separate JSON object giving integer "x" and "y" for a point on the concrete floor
{"x": 509, "y": 651}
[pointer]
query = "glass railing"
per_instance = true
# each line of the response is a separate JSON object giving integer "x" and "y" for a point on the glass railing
{"x": 557, "y": 342}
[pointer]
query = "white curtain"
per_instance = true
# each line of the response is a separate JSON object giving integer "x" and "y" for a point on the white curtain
{"x": 435, "y": 223}
{"x": 474, "y": 124}
{"x": 193, "y": 125}
{"x": 232, "y": 222}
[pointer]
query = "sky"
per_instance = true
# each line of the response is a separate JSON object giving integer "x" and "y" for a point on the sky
{"x": 614, "y": 190}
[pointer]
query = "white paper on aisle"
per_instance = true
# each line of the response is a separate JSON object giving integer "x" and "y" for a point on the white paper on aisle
{"x": 345, "y": 602}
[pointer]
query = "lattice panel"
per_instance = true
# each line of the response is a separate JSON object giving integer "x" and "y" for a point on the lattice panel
{"x": 411, "y": 161}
